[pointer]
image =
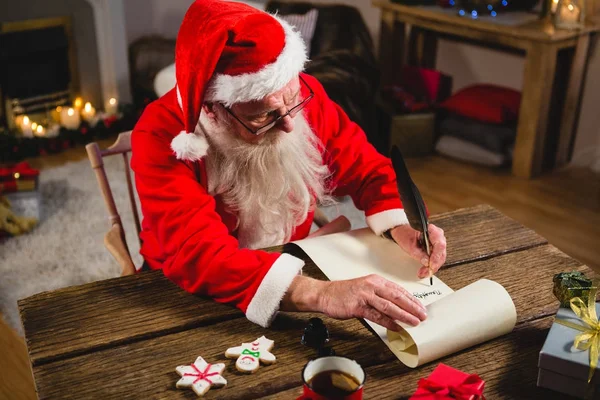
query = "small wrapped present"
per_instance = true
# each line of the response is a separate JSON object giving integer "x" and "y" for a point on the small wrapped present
{"x": 568, "y": 285}
{"x": 19, "y": 184}
{"x": 569, "y": 358}
{"x": 13, "y": 177}
{"x": 448, "y": 383}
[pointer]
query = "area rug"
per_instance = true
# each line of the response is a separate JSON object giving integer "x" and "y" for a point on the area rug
{"x": 67, "y": 247}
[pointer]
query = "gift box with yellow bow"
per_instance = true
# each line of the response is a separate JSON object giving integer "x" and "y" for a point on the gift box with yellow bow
{"x": 568, "y": 361}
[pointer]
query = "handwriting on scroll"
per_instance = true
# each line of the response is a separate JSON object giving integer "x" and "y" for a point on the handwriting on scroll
{"x": 424, "y": 295}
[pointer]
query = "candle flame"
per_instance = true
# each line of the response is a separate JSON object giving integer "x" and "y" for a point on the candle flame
{"x": 112, "y": 101}
{"x": 88, "y": 107}
{"x": 70, "y": 112}
{"x": 58, "y": 109}
{"x": 77, "y": 102}
{"x": 34, "y": 126}
{"x": 17, "y": 175}
{"x": 570, "y": 7}
{"x": 26, "y": 120}
{"x": 40, "y": 129}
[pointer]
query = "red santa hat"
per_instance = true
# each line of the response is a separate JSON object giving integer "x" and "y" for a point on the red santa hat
{"x": 229, "y": 52}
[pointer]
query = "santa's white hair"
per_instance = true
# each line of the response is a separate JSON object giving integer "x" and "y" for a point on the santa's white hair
{"x": 270, "y": 185}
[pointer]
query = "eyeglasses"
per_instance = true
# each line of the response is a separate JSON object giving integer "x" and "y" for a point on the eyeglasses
{"x": 275, "y": 119}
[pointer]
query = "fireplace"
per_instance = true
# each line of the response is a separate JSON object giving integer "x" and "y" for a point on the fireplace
{"x": 38, "y": 69}
{"x": 94, "y": 32}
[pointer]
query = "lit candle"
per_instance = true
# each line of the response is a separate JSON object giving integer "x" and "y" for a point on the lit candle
{"x": 568, "y": 16}
{"x": 78, "y": 103}
{"x": 53, "y": 131}
{"x": 34, "y": 126}
{"x": 112, "y": 106}
{"x": 88, "y": 112}
{"x": 26, "y": 127}
{"x": 39, "y": 131}
{"x": 69, "y": 118}
{"x": 553, "y": 6}
{"x": 55, "y": 114}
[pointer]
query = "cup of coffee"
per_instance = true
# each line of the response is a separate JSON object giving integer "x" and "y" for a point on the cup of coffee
{"x": 332, "y": 378}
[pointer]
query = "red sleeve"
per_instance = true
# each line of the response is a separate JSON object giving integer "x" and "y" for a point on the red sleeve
{"x": 358, "y": 170}
{"x": 199, "y": 253}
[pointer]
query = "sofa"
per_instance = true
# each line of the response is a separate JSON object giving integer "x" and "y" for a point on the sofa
{"x": 342, "y": 59}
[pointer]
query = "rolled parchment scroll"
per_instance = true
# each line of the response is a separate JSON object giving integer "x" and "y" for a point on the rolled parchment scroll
{"x": 478, "y": 312}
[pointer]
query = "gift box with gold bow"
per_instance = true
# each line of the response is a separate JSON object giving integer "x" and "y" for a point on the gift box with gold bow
{"x": 568, "y": 361}
{"x": 448, "y": 383}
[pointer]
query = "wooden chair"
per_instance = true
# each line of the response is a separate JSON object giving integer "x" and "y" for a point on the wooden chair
{"x": 115, "y": 241}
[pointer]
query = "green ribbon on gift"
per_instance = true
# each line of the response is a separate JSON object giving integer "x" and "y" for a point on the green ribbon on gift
{"x": 589, "y": 338}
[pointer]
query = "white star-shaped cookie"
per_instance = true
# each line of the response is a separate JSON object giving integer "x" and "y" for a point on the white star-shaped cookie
{"x": 201, "y": 376}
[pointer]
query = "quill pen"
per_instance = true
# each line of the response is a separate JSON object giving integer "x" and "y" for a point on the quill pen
{"x": 414, "y": 207}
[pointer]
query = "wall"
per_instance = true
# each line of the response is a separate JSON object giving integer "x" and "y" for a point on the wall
{"x": 467, "y": 64}
{"x": 82, "y": 19}
{"x": 159, "y": 17}
{"x": 587, "y": 144}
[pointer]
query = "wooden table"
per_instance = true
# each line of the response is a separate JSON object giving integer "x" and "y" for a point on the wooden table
{"x": 551, "y": 92}
{"x": 123, "y": 337}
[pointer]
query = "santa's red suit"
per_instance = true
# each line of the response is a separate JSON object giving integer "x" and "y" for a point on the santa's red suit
{"x": 186, "y": 232}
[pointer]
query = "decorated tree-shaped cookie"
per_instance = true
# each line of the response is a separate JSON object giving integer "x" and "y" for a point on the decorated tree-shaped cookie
{"x": 250, "y": 355}
{"x": 201, "y": 376}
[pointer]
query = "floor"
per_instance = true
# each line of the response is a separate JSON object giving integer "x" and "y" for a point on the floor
{"x": 563, "y": 206}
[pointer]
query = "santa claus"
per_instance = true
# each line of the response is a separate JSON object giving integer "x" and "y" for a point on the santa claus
{"x": 236, "y": 156}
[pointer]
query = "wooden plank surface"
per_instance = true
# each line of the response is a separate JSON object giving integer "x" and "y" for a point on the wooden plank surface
{"x": 135, "y": 330}
{"x": 83, "y": 318}
{"x": 540, "y": 30}
{"x": 148, "y": 304}
{"x": 147, "y": 368}
{"x": 508, "y": 365}
{"x": 481, "y": 232}
{"x": 526, "y": 276}
{"x": 157, "y": 357}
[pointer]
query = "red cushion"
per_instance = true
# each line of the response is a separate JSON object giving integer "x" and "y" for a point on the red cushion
{"x": 485, "y": 103}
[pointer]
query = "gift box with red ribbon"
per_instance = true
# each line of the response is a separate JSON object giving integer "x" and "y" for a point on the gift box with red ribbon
{"x": 446, "y": 382}
{"x": 18, "y": 178}
{"x": 19, "y": 184}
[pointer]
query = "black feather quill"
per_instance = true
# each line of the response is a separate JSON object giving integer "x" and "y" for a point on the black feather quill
{"x": 414, "y": 207}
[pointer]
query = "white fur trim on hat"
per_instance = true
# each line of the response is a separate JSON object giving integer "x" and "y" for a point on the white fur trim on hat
{"x": 228, "y": 89}
{"x": 264, "y": 305}
{"x": 189, "y": 146}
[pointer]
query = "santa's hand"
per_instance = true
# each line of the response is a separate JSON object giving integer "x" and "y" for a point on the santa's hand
{"x": 371, "y": 297}
{"x": 408, "y": 239}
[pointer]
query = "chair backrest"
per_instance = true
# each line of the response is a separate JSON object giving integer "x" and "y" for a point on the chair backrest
{"x": 121, "y": 146}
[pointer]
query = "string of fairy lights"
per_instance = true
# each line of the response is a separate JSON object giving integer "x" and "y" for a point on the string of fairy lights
{"x": 476, "y": 12}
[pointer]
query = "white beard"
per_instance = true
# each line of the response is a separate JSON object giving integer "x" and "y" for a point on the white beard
{"x": 270, "y": 185}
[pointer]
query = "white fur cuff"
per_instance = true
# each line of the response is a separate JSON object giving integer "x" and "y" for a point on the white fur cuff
{"x": 385, "y": 220}
{"x": 189, "y": 146}
{"x": 264, "y": 305}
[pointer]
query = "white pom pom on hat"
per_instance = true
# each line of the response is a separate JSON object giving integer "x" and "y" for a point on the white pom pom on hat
{"x": 229, "y": 52}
